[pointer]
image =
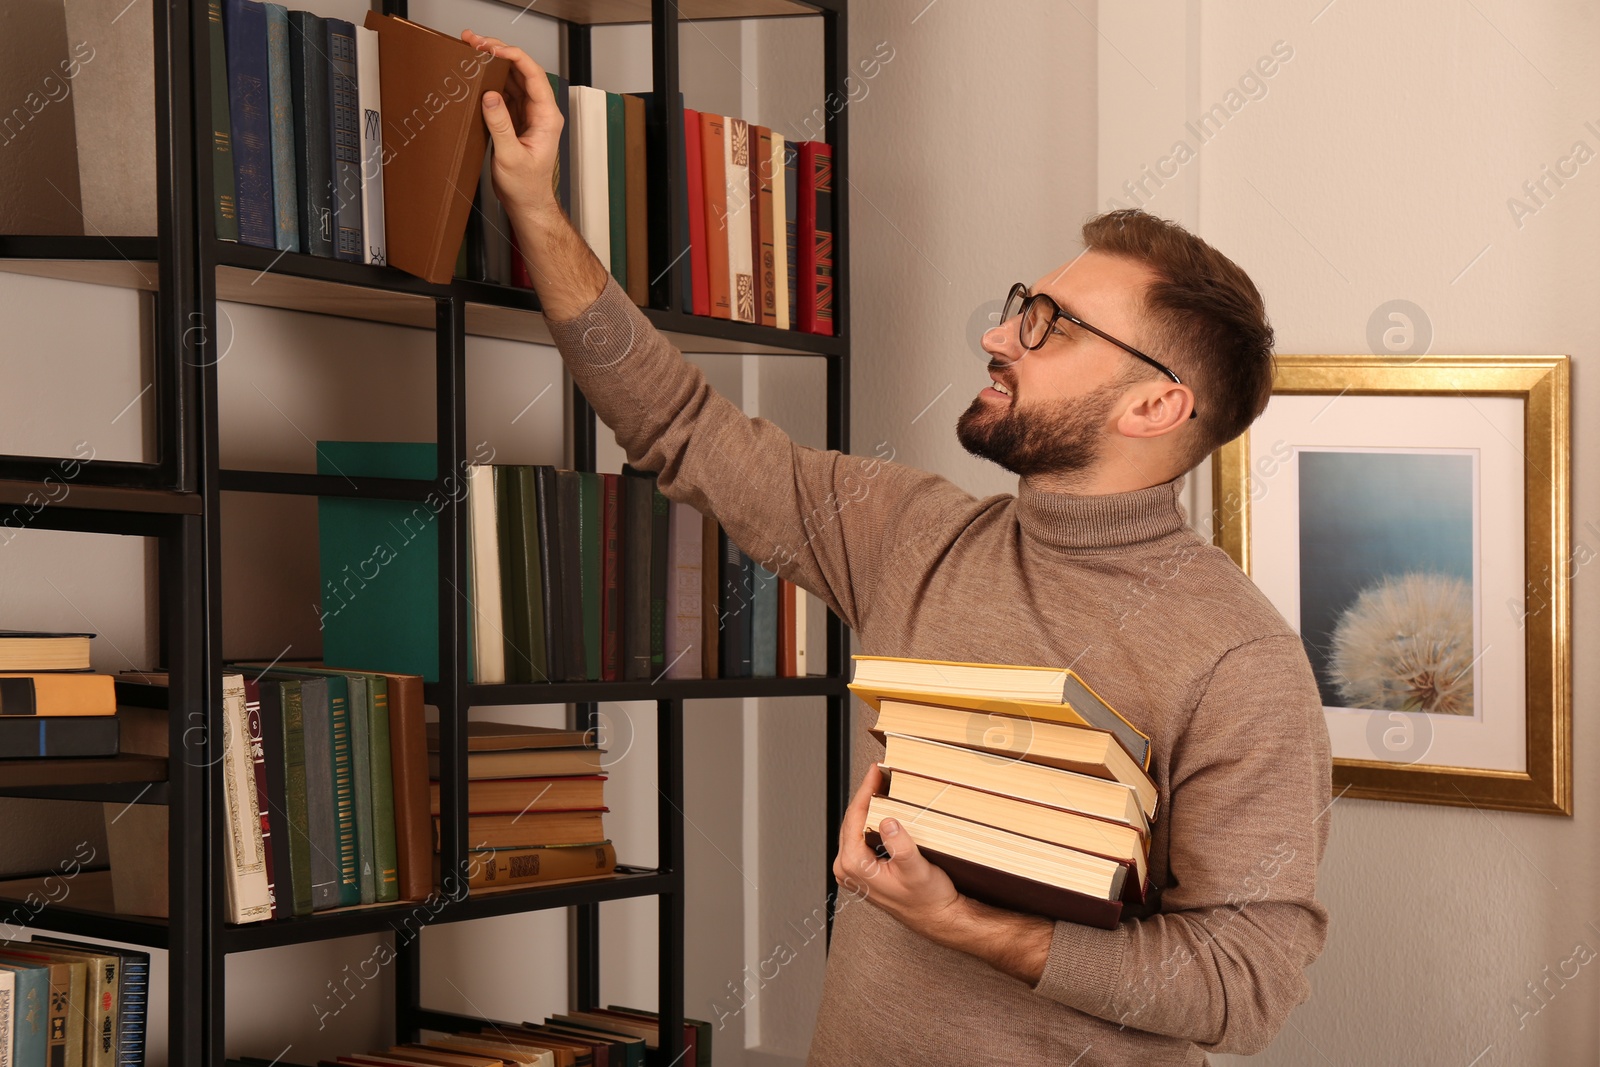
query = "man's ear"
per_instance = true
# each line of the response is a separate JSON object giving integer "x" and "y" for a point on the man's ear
{"x": 1156, "y": 408}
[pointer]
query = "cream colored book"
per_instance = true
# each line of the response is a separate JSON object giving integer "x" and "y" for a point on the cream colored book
{"x": 243, "y": 849}
{"x": 780, "y": 244}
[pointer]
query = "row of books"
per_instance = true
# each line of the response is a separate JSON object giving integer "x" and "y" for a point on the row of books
{"x": 535, "y": 804}
{"x": 302, "y": 158}
{"x": 613, "y": 1036}
{"x": 759, "y": 210}
{"x": 1020, "y": 782}
{"x": 70, "y": 1003}
{"x": 51, "y": 704}
{"x": 585, "y": 576}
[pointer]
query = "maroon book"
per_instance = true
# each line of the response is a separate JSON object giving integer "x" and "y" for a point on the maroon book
{"x": 611, "y": 578}
{"x": 815, "y": 238}
{"x": 699, "y": 279}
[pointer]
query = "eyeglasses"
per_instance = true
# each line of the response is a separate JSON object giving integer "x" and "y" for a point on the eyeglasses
{"x": 1039, "y": 313}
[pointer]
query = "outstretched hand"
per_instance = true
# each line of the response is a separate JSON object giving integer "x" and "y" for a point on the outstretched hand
{"x": 525, "y": 125}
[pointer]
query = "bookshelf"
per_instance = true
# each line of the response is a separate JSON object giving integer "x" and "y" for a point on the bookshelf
{"x": 174, "y": 499}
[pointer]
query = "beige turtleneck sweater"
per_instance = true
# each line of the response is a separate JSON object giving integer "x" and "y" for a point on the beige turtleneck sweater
{"x": 1163, "y": 625}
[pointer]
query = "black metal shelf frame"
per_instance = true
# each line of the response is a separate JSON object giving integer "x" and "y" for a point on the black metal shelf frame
{"x": 175, "y": 499}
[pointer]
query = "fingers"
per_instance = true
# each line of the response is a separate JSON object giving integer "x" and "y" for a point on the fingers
{"x": 903, "y": 852}
{"x": 855, "y": 816}
{"x": 501, "y": 129}
{"x": 531, "y": 88}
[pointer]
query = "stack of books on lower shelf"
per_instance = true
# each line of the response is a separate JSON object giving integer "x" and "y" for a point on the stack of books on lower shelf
{"x": 325, "y": 794}
{"x": 72, "y": 1002}
{"x": 535, "y": 804}
{"x": 51, "y": 704}
{"x": 597, "y": 1037}
{"x": 1024, "y": 786}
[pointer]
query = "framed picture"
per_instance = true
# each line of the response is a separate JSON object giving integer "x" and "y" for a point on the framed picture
{"x": 1410, "y": 517}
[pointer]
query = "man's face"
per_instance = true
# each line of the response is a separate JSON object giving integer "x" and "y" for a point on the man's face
{"x": 1061, "y": 408}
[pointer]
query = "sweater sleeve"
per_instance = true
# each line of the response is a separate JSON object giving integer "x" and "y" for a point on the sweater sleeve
{"x": 816, "y": 517}
{"x": 1223, "y": 962}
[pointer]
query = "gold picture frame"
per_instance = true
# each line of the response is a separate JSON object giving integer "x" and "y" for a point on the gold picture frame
{"x": 1242, "y": 484}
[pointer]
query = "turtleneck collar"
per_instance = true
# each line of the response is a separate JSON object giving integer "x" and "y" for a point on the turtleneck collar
{"x": 1103, "y": 522}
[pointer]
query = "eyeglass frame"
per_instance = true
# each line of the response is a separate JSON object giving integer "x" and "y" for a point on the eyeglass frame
{"x": 1021, "y": 289}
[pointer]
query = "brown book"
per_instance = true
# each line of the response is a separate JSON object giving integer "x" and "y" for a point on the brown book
{"x": 763, "y": 233}
{"x": 636, "y": 178}
{"x": 490, "y": 868}
{"x": 786, "y": 642}
{"x": 1008, "y": 870}
{"x": 513, "y": 796}
{"x": 435, "y": 1058}
{"x": 710, "y": 601}
{"x": 475, "y": 1045}
{"x": 714, "y": 170}
{"x": 433, "y": 148}
{"x": 527, "y": 763}
{"x": 57, "y": 694}
{"x": 36, "y": 650}
{"x": 498, "y": 736}
{"x": 408, "y": 762}
{"x": 534, "y": 829}
{"x": 567, "y": 1052}
{"x": 598, "y": 1048}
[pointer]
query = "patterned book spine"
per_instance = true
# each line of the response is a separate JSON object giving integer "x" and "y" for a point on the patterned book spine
{"x": 258, "y": 764}
{"x": 816, "y": 238}
{"x": 225, "y": 206}
{"x": 791, "y": 224}
{"x": 133, "y": 1010}
{"x": 286, "y": 210}
{"x": 8, "y": 982}
{"x": 344, "y": 793}
{"x": 736, "y": 176}
{"x": 248, "y": 900}
{"x": 295, "y": 801}
{"x": 361, "y": 773}
{"x": 372, "y": 227}
{"x": 244, "y": 25}
{"x": 344, "y": 143}
{"x": 714, "y": 186}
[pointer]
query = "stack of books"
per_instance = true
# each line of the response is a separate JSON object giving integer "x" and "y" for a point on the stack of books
{"x": 72, "y": 1002}
{"x": 325, "y": 791}
{"x": 535, "y": 804}
{"x": 1021, "y": 783}
{"x": 759, "y": 210}
{"x": 620, "y": 1037}
{"x": 51, "y": 704}
{"x": 583, "y": 576}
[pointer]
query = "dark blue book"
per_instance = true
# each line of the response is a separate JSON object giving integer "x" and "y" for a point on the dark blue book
{"x": 286, "y": 213}
{"x": 735, "y": 608}
{"x": 617, "y": 183}
{"x": 344, "y": 141}
{"x": 244, "y": 24}
{"x": 313, "y": 167}
{"x": 791, "y": 222}
{"x": 764, "y": 623}
{"x": 48, "y": 736}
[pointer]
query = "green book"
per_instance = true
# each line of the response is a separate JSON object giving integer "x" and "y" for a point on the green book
{"x": 344, "y": 789}
{"x": 380, "y": 562}
{"x": 223, "y": 186}
{"x": 590, "y": 489}
{"x": 530, "y": 583}
{"x": 513, "y": 578}
{"x": 617, "y": 182}
{"x": 294, "y": 801}
{"x": 385, "y": 850}
{"x": 361, "y": 773}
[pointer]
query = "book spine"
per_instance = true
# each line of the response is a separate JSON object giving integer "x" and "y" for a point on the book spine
{"x": 791, "y": 224}
{"x": 371, "y": 117}
{"x": 361, "y": 772}
{"x": 551, "y": 565}
{"x": 531, "y": 591}
{"x": 297, "y": 800}
{"x": 224, "y": 205}
{"x": 244, "y": 24}
{"x": 514, "y": 581}
{"x": 591, "y": 198}
{"x": 635, "y": 179}
{"x": 385, "y": 848}
{"x": 244, "y": 852}
{"x": 488, "y": 647}
{"x": 764, "y": 624}
{"x": 62, "y": 1050}
{"x": 64, "y": 694}
{"x": 344, "y": 794}
{"x": 258, "y": 765}
{"x": 589, "y": 548}
{"x": 100, "y": 1020}
{"x": 133, "y": 1010}
{"x": 319, "y": 792}
{"x": 275, "y": 807}
{"x": 762, "y": 235}
{"x": 570, "y": 533}
{"x": 780, "y": 233}
{"x": 736, "y": 179}
{"x": 699, "y": 296}
{"x": 786, "y": 598}
{"x": 408, "y": 756}
{"x": 285, "y": 213}
{"x": 714, "y": 168}
{"x": 821, "y": 278}
{"x": 636, "y": 577}
{"x": 344, "y": 140}
{"x": 8, "y": 1013}
{"x": 617, "y": 186}
{"x": 563, "y": 174}
{"x": 524, "y": 865}
{"x": 31, "y": 1034}
{"x": 710, "y": 579}
{"x": 807, "y": 237}
{"x": 611, "y": 579}
{"x": 801, "y": 601}
{"x": 48, "y": 737}
{"x": 308, "y": 78}
{"x": 683, "y": 591}
{"x": 660, "y": 520}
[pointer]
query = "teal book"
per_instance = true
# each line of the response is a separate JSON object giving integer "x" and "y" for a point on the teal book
{"x": 589, "y": 490}
{"x": 31, "y": 1026}
{"x": 617, "y": 185}
{"x": 380, "y": 563}
{"x": 344, "y": 790}
{"x": 764, "y": 624}
{"x": 280, "y": 108}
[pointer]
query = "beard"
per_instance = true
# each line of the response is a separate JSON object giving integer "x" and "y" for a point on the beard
{"x": 1063, "y": 437}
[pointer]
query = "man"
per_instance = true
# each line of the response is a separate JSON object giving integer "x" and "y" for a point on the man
{"x": 1112, "y": 377}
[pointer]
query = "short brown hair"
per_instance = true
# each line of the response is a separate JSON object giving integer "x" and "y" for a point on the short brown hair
{"x": 1207, "y": 320}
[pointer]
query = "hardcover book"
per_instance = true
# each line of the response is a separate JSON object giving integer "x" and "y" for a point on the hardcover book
{"x": 313, "y": 167}
{"x": 244, "y": 23}
{"x": 286, "y": 211}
